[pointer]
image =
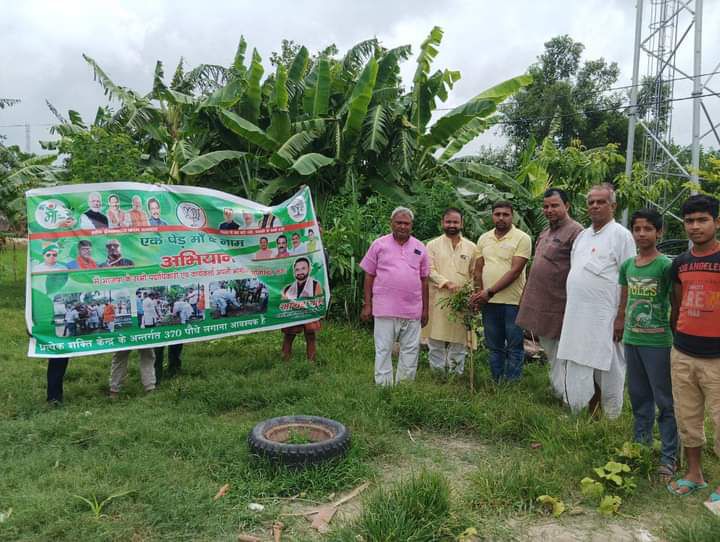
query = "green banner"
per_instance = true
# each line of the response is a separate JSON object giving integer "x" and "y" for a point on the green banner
{"x": 113, "y": 266}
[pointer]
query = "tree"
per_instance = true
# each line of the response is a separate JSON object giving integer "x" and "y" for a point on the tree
{"x": 568, "y": 100}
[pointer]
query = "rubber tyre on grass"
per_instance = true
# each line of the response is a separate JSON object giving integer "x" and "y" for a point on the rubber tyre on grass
{"x": 329, "y": 439}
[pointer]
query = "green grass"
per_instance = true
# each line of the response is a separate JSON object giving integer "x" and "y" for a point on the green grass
{"x": 415, "y": 510}
{"x": 168, "y": 453}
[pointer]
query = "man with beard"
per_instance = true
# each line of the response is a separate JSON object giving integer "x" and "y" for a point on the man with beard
{"x": 451, "y": 257}
{"x": 501, "y": 256}
{"x": 93, "y": 218}
{"x": 114, "y": 255}
{"x": 303, "y": 287}
{"x": 396, "y": 295}
{"x": 593, "y": 359}
{"x": 543, "y": 302}
{"x": 84, "y": 258}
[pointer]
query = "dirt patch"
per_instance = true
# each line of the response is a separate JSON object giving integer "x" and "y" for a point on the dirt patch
{"x": 586, "y": 530}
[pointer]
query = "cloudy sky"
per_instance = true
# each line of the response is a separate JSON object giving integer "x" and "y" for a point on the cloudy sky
{"x": 41, "y": 42}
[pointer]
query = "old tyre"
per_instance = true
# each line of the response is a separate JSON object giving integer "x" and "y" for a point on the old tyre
{"x": 299, "y": 440}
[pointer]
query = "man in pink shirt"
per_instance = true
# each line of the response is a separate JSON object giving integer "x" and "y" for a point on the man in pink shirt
{"x": 396, "y": 294}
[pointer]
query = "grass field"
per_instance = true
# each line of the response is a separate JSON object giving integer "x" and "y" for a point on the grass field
{"x": 440, "y": 461}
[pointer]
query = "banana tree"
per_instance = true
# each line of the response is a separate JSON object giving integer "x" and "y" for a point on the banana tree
{"x": 318, "y": 120}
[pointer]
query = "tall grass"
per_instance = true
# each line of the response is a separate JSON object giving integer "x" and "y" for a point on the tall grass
{"x": 415, "y": 510}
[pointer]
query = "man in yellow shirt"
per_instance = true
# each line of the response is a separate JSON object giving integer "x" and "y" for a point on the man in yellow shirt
{"x": 451, "y": 257}
{"x": 500, "y": 259}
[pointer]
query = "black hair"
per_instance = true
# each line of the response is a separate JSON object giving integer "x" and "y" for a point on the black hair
{"x": 263, "y": 238}
{"x": 701, "y": 203}
{"x": 550, "y": 192}
{"x": 294, "y": 234}
{"x": 303, "y": 259}
{"x": 84, "y": 243}
{"x": 651, "y": 215}
{"x": 151, "y": 200}
{"x": 281, "y": 237}
{"x": 502, "y": 203}
{"x": 452, "y": 210}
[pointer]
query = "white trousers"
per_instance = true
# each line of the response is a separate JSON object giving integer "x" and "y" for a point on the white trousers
{"x": 557, "y": 369}
{"x": 579, "y": 384}
{"x": 447, "y": 355}
{"x": 386, "y": 332}
{"x": 119, "y": 368}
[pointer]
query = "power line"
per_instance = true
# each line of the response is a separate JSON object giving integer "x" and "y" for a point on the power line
{"x": 23, "y": 125}
{"x": 526, "y": 120}
{"x": 683, "y": 78}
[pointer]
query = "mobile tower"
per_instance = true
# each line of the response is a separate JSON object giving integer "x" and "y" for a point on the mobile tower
{"x": 669, "y": 43}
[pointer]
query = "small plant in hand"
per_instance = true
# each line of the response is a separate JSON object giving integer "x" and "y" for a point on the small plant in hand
{"x": 462, "y": 310}
{"x": 466, "y": 312}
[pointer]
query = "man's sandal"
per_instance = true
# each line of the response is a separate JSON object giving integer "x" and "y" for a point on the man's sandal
{"x": 666, "y": 472}
{"x": 688, "y": 484}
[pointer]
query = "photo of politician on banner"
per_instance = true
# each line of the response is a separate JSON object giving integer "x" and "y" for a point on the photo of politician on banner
{"x": 121, "y": 265}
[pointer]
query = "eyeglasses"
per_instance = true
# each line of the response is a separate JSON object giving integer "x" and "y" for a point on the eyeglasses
{"x": 51, "y": 254}
{"x": 112, "y": 245}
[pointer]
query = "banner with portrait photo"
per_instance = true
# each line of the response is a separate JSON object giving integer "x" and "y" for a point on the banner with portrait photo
{"x": 113, "y": 266}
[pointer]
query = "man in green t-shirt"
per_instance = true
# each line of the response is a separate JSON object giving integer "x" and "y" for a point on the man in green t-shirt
{"x": 644, "y": 321}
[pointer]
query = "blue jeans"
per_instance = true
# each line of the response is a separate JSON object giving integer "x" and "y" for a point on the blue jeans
{"x": 649, "y": 385}
{"x": 504, "y": 339}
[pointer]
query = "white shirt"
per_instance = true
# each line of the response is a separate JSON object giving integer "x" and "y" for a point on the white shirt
{"x": 36, "y": 268}
{"x": 71, "y": 316}
{"x": 150, "y": 315}
{"x": 296, "y": 251}
{"x": 593, "y": 294}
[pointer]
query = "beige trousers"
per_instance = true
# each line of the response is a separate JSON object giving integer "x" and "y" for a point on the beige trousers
{"x": 119, "y": 368}
{"x": 695, "y": 386}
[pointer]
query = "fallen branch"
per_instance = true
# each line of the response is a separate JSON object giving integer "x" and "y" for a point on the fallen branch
{"x": 324, "y": 514}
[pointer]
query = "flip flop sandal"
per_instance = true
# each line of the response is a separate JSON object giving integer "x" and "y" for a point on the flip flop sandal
{"x": 714, "y": 497}
{"x": 689, "y": 484}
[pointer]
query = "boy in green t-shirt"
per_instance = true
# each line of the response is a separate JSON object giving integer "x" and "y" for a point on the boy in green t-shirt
{"x": 644, "y": 313}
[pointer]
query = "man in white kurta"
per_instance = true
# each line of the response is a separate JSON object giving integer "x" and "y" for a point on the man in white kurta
{"x": 589, "y": 345}
{"x": 451, "y": 262}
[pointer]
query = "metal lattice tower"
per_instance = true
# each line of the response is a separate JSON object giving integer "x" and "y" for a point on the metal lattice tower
{"x": 672, "y": 73}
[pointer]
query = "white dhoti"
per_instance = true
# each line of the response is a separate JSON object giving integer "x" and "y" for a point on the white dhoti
{"x": 578, "y": 383}
{"x": 447, "y": 355}
{"x": 557, "y": 369}
{"x": 386, "y": 332}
